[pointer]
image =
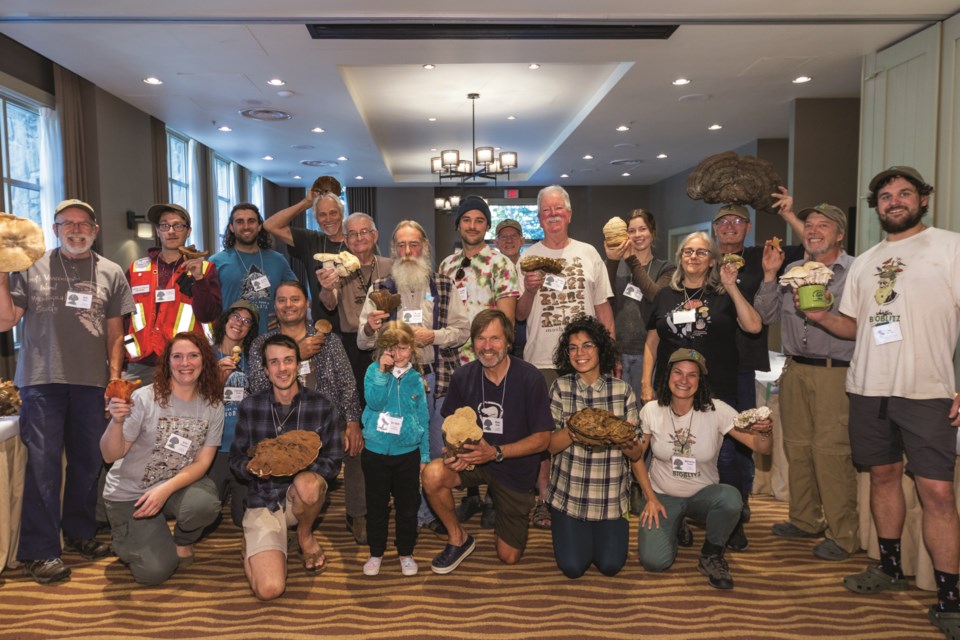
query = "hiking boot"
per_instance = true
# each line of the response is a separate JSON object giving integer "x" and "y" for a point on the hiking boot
{"x": 715, "y": 568}
{"x": 437, "y": 527}
{"x": 790, "y": 530}
{"x": 488, "y": 516}
{"x": 685, "y": 535}
{"x": 89, "y": 548}
{"x": 469, "y": 507}
{"x": 46, "y": 571}
{"x": 451, "y": 556}
{"x": 738, "y": 539}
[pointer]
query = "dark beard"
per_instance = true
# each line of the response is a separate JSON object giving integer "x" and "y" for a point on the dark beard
{"x": 891, "y": 226}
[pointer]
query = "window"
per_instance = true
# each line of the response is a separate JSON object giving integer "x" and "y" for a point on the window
{"x": 20, "y": 134}
{"x": 180, "y": 172}
{"x": 224, "y": 176}
{"x": 255, "y": 190}
{"x": 523, "y": 211}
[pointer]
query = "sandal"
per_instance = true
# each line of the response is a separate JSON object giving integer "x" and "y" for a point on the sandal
{"x": 310, "y": 560}
{"x": 541, "y": 516}
{"x": 874, "y": 580}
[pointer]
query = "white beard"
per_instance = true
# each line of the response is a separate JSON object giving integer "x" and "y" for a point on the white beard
{"x": 411, "y": 273}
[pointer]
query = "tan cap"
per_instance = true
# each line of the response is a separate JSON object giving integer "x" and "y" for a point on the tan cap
{"x": 76, "y": 204}
{"x": 692, "y": 355}
{"x": 829, "y": 211}
{"x": 248, "y": 306}
{"x": 902, "y": 171}
{"x": 157, "y": 210}
{"x": 509, "y": 224}
{"x": 733, "y": 210}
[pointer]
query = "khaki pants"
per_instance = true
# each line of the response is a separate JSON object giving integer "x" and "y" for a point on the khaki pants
{"x": 814, "y": 411}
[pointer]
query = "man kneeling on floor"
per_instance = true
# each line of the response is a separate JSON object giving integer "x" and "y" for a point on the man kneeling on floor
{"x": 275, "y": 503}
{"x": 516, "y": 423}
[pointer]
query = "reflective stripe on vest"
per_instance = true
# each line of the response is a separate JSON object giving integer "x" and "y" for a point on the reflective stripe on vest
{"x": 138, "y": 318}
{"x": 131, "y": 345}
{"x": 184, "y": 319}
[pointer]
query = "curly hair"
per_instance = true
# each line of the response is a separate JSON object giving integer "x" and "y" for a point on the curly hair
{"x": 264, "y": 239}
{"x": 923, "y": 189}
{"x": 220, "y": 330}
{"x": 607, "y": 349}
{"x": 702, "y": 399}
{"x": 398, "y": 332}
{"x": 208, "y": 384}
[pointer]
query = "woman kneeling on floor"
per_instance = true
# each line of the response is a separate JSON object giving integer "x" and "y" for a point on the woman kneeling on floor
{"x": 161, "y": 444}
{"x": 589, "y": 492}
{"x": 685, "y": 429}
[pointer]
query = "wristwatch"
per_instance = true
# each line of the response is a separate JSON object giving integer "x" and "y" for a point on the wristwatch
{"x": 498, "y": 457}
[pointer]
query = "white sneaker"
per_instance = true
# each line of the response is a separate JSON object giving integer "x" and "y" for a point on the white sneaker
{"x": 408, "y": 566}
{"x": 372, "y": 566}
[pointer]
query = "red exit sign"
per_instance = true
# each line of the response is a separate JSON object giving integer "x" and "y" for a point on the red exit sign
{"x": 511, "y": 193}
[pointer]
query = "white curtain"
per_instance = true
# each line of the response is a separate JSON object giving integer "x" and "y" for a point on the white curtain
{"x": 195, "y": 194}
{"x": 51, "y": 170}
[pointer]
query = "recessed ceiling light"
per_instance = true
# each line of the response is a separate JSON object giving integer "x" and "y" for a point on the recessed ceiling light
{"x": 802, "y": 79}
{"x": 497, "y": 149}
{"x": 297, "y": 178}
{"x": 342, "y": 158}
{"x": 661, "y": 156}
{"x": 224, "y": 128}
{"x": 588, "y": 157}
{"x": 285, "y": 93}
{"x": 267, "y": 158}
{"x": 533, "y": 66}
{"x": 625, "y": 174}
{"x": 317, "y": 130}
{"x": 434, "y": 149}
{"x": 152, "y": 80}
{"x": 563, "y": 175}
{"x": 715, "y": 127}
{"x": 429, "y": 67}
{"x": 511, "y": 117}
{"x": 432, "y": 119}
{"x": 276, "y": 82}
{"x": 359, "y": 178}
{"x": 623, "y": 127}
{"x": 681, "y": 81}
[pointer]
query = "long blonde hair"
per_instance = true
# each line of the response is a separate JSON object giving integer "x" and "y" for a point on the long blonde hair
{"x": 713, "y": 282}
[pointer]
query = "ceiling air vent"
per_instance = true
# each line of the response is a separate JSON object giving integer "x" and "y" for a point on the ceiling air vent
{"x": 320, "y": 163}
{"x": 399, "y": 30}
{"x": 268, "y": 115}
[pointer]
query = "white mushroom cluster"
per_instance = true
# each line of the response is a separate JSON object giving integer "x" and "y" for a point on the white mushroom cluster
{"x": 809, "y": 273}
{"x": 751, "y": 416}
{"x": 344, "y": 262}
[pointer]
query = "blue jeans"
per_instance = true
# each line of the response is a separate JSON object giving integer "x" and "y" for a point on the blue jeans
{"x": 735, "y": 462}
{"x": 57, "y": 418}
{"x": 578, "y": 543}
{"x": 632, "y": 371}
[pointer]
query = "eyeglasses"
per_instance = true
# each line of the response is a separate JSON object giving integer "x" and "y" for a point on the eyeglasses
{"x": 461, "y": 274}
{"x": 727, "y": 222}
{"x": 177, "y": 226}
{"x": 363, "y": 233}
{"x": 700, "y": 253}
{"x": 586, "y": 347}
{"x": 83, "y": 225}
{"x": 244, "y": 321}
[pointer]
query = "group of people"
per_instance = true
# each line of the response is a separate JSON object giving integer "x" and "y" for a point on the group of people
{"x": 230, "y": 359}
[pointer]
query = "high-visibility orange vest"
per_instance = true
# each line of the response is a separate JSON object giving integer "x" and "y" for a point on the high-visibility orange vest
{"x": 153, "y": 324}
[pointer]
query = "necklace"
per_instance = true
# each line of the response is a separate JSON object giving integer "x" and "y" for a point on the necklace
{"x": 697, "y": 295}
{"x": 93, "y": 272}
{"x": 678, "y": 430}
{"x": 246, "y": 269}
{"x": 365, "y": 286}
{"x": 278, "y": 428}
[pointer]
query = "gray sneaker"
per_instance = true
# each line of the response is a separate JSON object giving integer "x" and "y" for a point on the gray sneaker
{"x": 790, "y": 530}
{"x": 46, "y": 571}
{"x": 716, "y": 569}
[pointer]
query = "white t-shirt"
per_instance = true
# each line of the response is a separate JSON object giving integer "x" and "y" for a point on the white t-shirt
{"x": 698, "y": 435}
{"x": 909, "y": 288}
{"x": 585, "y": 284}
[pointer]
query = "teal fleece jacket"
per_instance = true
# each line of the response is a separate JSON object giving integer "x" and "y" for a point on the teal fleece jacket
{"x": 410, "y": 401}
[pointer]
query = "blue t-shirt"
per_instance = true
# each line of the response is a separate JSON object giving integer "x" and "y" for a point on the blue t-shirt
{"x": 239, "y": 275}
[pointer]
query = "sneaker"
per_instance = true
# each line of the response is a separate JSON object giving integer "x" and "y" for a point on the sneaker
{"x": 408, "y": 566}
{"x": 358, "y": 527}
{"x": 716, "y": 569}
{"x": 451, "y": 556}
{"x": 468, "y": 507}
{"x": 790, "y": 530}
{"x": 46, "y": 571}
{"x": 372, "y": 566}
{"x": 437, "y": 527}
{"x": 830, "y": 550}
{"x": 738, "y": 539}
{"x": 89, "y": 548}
{"x": 685, "y": 535}
{"x": 488, "y": 517}
{"x": 947, "y": 621}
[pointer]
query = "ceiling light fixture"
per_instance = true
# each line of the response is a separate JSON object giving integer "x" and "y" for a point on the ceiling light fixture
{"x": 429, "y": 67}
{"x": 152, "y": 80}
{"x": 533, "y": 66}
{"x": 343, "y": 158}
{"x": 661, "y": 156}
{"x": 715, "y": 127}
{"x": 625, "y": 174}
{"x": 267, "y": 158}
{"x": 623, "y": 127}
{"x": 297, "y": 178}
{"x": 679, "y": 82}
{"x": 449, "y": 166}
{"x": 588, "y": 157}
{"x": 317, "y": 130}
{"x": 446, "y": 204}
{"x": 802, "y": 79}
{"x": 511, "y": 117}
{"x": 359, "y": 178}
{"x": 564, "y": 175}
{"x": 224, "y": 128}
{"x": 276, "y": 82}
{"x": 431, "y": 119}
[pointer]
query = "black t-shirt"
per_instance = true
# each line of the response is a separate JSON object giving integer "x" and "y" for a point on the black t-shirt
{"x": 523, "y": 403}
{"x": 712, "y": 334}
{"x": 307, "y": 242}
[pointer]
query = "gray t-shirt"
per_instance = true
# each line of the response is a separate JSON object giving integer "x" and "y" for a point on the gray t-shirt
{"x": 66, "y": 305}
{"x": 165, "y": 440}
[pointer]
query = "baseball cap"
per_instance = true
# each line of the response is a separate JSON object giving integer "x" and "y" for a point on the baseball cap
{"x": 157, "y": 210}
{"x": 472, "y": 203}
{"x": 76, "y": 204}
{"x": 902, "y": 171}
{"x": 732, "y": 210}
{"x": 248, "y": 306}
{"x": 692, "y": 355}
{"x": 509, "y": 224}
{"x": 829, "y": 211}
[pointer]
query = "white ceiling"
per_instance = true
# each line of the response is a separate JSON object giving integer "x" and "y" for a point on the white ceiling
{"x": 373, "y": 98}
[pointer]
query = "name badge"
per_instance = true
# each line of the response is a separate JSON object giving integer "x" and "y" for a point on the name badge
{"x": 141, "y": 264}
{"x": 887, "y": 332}
{"x": 492, "y": 425}
{"x": 260, "y": 283}
{"x": 233, "y": 394}
{"x": 412, "y": 316}
{"x": 462, "y": 292}
{"x": 79, "y": 300}
{"x": 304, "y": 368}
{"x": 140, "y": 289}
{"x": 178, "y": 444}
{"x": 557, "y": 283}
{"x": 387, "y": 423}
{"x": 685, "y": 316}
{"x": 633, "y": 291}
{"x": 165, "y": 295}
{"x": 682, "y": 464}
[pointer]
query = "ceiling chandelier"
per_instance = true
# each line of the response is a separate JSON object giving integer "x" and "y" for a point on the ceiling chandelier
{"x": 449, "y": 166}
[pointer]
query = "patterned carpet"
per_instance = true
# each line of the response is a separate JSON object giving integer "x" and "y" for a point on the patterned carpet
{"x": 782, "y": 591}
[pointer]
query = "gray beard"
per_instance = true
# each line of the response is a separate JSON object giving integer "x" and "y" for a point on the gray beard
{"x": 411, "y": 274}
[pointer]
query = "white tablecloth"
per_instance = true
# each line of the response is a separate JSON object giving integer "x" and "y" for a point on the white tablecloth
{"x": 13, "y": 462}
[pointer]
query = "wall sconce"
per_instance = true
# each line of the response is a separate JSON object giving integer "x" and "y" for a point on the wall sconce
{"x": 144, "y": 228}
{"x": 446, "y": 204}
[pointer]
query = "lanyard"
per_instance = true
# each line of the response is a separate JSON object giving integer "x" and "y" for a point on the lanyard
{"x": 93, "y": 271}
{"x": 246, "y": 269}
{"x": 483, "y": 395}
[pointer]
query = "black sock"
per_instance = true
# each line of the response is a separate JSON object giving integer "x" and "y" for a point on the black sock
{"x": 473, "y": 492}
{"x": 947, "y": 597}
{"x": 890, "y": 557}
